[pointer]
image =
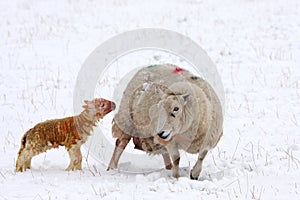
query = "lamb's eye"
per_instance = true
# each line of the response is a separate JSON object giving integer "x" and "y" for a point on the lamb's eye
{"x": 102, "y": 105}
{"x": 175, "y": 109}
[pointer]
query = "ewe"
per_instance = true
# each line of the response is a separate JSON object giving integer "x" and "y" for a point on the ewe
{"x": 165, "y": 108}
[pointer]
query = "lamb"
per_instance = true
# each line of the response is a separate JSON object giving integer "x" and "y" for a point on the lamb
{"x": 166, "y": 108}
{"x": 70, "y": 132}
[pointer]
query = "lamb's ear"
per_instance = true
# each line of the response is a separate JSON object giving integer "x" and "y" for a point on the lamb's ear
{"x": 88, "y": 104}
{"x": 186, "y": 98}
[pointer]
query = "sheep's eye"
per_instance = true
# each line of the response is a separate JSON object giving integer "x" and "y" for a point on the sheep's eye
{"x": 172, "y": 115}
{"x": 175, "y": 109}
{"x": 102, "y": 105}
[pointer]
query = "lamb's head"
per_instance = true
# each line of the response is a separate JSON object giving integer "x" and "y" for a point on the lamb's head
{"x": 173, "y": 116}
{"x": 98, "y": 107}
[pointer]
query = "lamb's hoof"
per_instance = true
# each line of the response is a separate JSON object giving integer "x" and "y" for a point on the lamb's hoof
{"x": 22, "y": 169}
{"x": 73, "y": 168}
{"x": 192, "y": 177}
{"x": 19, "y": 170}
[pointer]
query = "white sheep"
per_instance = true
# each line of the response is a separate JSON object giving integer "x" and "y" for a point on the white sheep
{"x": 166, "y": 108}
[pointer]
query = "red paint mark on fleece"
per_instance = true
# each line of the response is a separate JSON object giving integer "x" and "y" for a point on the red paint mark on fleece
{"x": 177, "y": 70}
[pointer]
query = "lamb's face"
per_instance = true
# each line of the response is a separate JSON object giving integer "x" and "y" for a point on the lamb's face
{"x": 99, "y": 107}
{"x": 170, "y": 117}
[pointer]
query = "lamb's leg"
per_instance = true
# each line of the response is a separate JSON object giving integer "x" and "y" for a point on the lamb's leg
{"x": 175, "y": 155}
{"x": 119, "y": 148}
{"x": 20, "y": 164}
{"x": 75, "y": 158}
{"x": 195, "y": 172}
{"x": 28, "y": 162}
{"x": 24, "y": 159}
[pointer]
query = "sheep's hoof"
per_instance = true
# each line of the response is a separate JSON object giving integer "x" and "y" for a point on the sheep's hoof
{"x": 193, "y": 177}
{"x": 176, "y": 174}
{"x": 169, "y": 167}
{"x": 111, "y": 165}
{"x": 110, "y": 168}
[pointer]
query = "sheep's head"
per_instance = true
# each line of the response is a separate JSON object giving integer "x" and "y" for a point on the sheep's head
{"x": 99, "y": 107}
{"x": 171, "y": 116}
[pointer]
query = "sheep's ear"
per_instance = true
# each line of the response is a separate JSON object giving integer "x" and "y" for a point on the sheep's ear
{"x": 85, "y": 106}
{"x": 159, "y": 91}
{"x": 186, "y": 98}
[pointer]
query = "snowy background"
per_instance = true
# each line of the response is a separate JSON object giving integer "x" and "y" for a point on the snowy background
{"x": 255, "y": 45}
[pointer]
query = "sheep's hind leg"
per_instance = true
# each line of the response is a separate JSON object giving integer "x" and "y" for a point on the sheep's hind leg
{"x": 75, "y": 158}
{"x": 195, "y": 172}
{"x": 121, "y": 142}
{"x": 119, "y": 148}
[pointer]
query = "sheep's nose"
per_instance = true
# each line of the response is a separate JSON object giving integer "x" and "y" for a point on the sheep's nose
{"x": 162, "y": 136}
{"x": 160, "y": 133}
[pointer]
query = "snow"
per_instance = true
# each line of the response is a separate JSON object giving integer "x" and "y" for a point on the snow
{"x": 255, "y": 45}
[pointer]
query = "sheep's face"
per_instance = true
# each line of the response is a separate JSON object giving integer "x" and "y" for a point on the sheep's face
{"x": 99, "y": 107}
{"x": 171, "y": 115}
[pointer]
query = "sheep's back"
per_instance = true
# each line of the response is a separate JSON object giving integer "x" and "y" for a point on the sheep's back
{"x": 142, "y": 92}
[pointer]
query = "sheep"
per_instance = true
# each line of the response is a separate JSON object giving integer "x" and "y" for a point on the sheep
{"x": 166, "y": 108}
{"x": 70, "y": 132}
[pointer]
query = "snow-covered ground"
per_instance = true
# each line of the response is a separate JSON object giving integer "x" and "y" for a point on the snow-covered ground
{"x": 255, "y": 45}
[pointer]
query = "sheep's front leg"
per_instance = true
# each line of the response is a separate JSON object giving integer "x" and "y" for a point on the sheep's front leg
{"x": 175, "y": 155}
{"x": 167, "y": 161}
{"x": 138, "y": 145}
{"x": 195, "y": 172}
{"x": 75, "y": 158}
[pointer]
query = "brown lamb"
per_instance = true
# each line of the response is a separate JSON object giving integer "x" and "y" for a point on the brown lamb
{"x": 70, "y": 132}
